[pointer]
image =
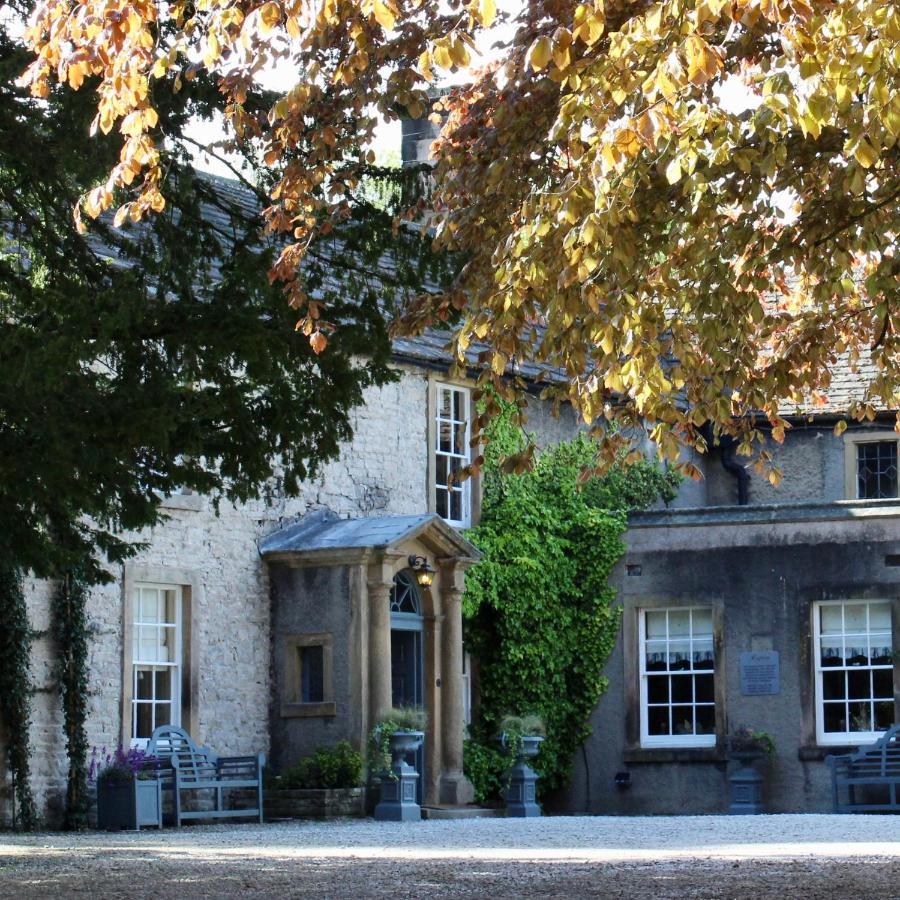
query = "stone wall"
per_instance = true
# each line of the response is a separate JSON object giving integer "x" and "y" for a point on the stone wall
{"x": 311, "y": 600}
{"x": 763, "y": 568}
{"x": 812, "y": 463}
{"x": 382, "y": 471}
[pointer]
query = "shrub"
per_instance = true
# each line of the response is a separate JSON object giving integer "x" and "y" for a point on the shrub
{"x": 329, "y": 768}
{"x": 540, "y": 615}
{"x": 485, "y": 768}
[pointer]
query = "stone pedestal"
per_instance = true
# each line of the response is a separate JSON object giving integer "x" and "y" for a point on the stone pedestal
{"x": 746, "y": 790}
{"x": 398, "y": 795}
{"x": 521, "y": 795}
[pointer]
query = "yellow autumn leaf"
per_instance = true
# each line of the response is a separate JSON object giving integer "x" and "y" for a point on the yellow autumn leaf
{"x": 269, "y": 17}
{"x": 540, "y": 53}
{"x": 865, "y": 154}
{"x": 441, "y": 56}
{"x": 673, "y": 171}
{"x": 703, "y": 61}
{"x": 424, "y": 66}
{"x": 383, "y": 15}
{"x": 487, "y": 12}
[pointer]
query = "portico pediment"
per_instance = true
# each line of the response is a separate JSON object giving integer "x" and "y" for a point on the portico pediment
{"x": 321, "y": 538}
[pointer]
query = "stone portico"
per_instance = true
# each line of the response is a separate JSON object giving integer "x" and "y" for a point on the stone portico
{"x": 353, "y": 634}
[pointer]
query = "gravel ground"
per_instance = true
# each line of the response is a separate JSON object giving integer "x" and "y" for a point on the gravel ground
{"x": 661, "y": 857}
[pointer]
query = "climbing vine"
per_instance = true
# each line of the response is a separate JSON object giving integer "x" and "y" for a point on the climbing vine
{"x": 539, "y": 612}
{"x": 71, "y": 632}
{"x": 15, "y": 692}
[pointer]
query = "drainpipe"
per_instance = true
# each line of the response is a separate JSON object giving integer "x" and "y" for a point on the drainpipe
{"x": 727, "y": 451}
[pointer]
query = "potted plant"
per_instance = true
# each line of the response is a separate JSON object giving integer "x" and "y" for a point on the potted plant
{"x": 129, "y": 790}
{"x": 521, "y": 737}
{"x": 399, "y": 732}
{"x": 746, "y": 746}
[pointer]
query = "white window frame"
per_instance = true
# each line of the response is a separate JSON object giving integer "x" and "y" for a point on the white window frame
{"x": 842, "y": 738}
{"x": 672, "y": 740}
{"x": 852, "y": 440}
{"x": 464, "y": 488}
{"x": 176, "y": 666}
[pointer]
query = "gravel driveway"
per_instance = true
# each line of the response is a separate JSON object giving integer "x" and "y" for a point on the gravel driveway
{"x": 660, "y": 857}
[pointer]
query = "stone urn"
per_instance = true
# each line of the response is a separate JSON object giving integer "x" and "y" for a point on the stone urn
{"x": 398, "y": 786}
{"x": 521, "y": 790}
{"x": 403, "y": 743}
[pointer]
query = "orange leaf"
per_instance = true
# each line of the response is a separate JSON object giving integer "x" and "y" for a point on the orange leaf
{"x": 318, "y": 342}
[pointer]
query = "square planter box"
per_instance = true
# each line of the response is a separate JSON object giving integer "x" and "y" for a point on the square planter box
{"x": 129, "y": 804}
{"x": 314, "y": 804}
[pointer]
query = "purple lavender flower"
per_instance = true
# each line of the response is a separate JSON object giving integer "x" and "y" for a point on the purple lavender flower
{"x": 121, "y": 765}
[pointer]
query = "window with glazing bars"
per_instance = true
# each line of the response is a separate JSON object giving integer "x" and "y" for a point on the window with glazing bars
{"x": 452, "y": 501}
{"x": 677, "y": 672}
{"x": 156, "y": 660}
{"x": 876, "y": 470}
{"x": 854, "y": 670}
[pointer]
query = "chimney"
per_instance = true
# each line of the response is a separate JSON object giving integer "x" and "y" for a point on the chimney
{"x": 417, "y": 135}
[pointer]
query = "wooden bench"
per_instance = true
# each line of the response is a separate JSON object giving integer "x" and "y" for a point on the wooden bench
{"x": 877, "y": 765}
{"x": 186, "y": 768}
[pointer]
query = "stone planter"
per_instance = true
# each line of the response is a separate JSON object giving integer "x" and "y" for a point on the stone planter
{"x": 307, "y": 803}
{"x": 398, "y": 787}
{"x": 129, "y": 804}
{"x": 521, "y": 792}
{"x": 746, "y": 784}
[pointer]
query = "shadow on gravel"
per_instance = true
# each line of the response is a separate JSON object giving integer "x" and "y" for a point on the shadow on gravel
{"x": 141, "y": 873}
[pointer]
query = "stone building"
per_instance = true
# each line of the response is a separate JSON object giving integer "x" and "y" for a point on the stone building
{"x": 781, "y": 614}
{"x": 283, "y": 625}
{"x": 255, "y": 639}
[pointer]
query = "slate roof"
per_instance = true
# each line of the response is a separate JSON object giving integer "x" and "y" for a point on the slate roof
{"x": 848, "y": 383}
{"x": 322, "y": 530}
{"x": 429, "y": 349}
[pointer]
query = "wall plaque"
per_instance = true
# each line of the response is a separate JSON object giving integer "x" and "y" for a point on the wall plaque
{"x": 760, "y": 672}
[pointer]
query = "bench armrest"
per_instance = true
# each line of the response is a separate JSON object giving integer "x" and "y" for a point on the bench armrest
{"x": 840, "y": 764}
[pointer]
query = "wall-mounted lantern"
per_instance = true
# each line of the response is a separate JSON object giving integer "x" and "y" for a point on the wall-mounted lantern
{"x": 424, "y": 572}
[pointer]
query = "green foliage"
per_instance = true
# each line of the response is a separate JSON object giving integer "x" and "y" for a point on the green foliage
{"x": 529, "y": 724}
{"x": 744, "y": 740}
{"x": 485, "y": 766}
{"x": 398, "y": 718}
{"x": 539, "y": 612}
{"x": 15, "y": 692}
{"x": 139, "y": 361}
{"x": 159, "y": 355}
{"x": 339, "y": 766}
{"x": 69, "y": 622}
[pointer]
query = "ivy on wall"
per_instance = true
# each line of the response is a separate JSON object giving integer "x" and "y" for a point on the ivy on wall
{"x": 15, "y": 692}
{"x": 539, "y": 613}
{"x": 69, "y": 617}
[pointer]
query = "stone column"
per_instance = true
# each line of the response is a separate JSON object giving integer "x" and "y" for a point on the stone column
{"x": 379, "y": 584}
{"x": 456, "y": 789}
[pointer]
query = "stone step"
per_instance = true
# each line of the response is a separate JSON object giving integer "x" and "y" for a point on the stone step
{"x": 460, "y": 812}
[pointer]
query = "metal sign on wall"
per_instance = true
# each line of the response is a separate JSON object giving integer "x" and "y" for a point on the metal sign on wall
{"x": 760, "y": 672}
